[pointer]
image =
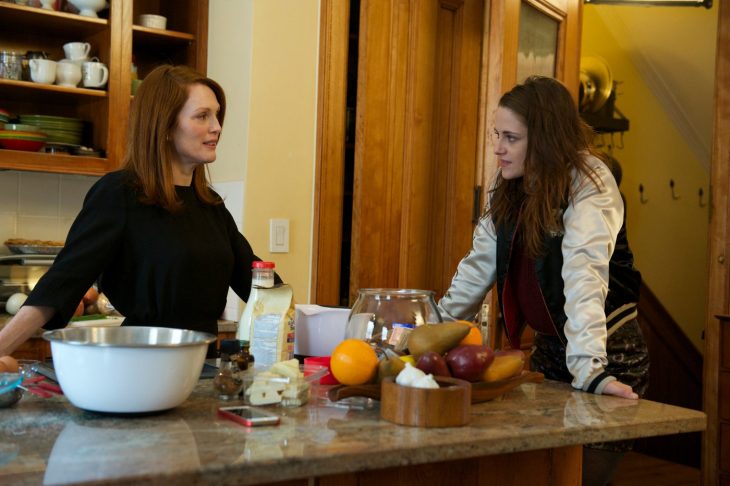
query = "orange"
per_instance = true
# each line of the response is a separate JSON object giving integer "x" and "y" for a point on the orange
{"x": 474, "y": 337}
{"x": 354, "y": 362}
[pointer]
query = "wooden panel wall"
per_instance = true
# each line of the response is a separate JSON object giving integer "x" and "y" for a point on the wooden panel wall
{"x": 327, "y": 229}
{"x": 416, "y": 138}
{"x": 675, "y": 377}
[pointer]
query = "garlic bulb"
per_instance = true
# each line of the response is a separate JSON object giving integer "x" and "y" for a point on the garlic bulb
{"x": 426, "y": 381}
{"x": 408, "y": 375}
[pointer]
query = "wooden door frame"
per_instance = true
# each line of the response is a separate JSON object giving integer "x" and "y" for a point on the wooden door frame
{"x": 330, "y": 156}
{"x": 718, "y": 298}
{"x": 330, "y": 147}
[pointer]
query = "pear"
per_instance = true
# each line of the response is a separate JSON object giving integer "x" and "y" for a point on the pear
{"x": 440, "y": 337}
{"x": 504, "y": 366}
{"x": 390, "y": 367}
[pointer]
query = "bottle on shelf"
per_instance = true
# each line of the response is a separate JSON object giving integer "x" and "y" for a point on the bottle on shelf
{"x": 267, "y": 322}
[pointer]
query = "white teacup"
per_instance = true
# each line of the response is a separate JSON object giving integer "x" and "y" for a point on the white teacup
{"x": 67, "y": 73}
{"x": 94, "y": 74}
{"x": 77, "y": 50}
{"x": 42, "y": 70}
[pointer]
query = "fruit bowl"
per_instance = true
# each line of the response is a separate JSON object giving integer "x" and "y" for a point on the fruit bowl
{"x": 481, "y": 391}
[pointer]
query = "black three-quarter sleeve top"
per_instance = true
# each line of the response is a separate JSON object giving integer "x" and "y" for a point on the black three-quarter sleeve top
{"x": 157, "y": 268}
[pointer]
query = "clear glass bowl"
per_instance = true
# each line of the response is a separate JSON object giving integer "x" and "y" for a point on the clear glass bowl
{"x": 385, "y": 317}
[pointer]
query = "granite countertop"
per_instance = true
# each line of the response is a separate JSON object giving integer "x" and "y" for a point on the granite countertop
{"x": 51, "y": 441}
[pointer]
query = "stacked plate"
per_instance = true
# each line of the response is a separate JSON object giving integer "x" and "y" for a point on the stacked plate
{"x": 22, "y": 140}
{"x": 60, "y": 130}
{"x": 5, "y": 116}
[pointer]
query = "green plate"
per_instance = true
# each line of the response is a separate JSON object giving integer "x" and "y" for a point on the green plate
{"x": 57, "y": 126}
{"x": 53, "y": 118}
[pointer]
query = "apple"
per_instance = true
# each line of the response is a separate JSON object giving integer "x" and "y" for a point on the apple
{"x": 433, "y": 363}
{"x": 468, "y": 362}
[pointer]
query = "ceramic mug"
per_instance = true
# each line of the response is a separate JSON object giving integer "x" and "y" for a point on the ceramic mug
{"x": 94, "y": 74}
{"x": 77, "y": 50}
{"x": 42, "y": 70}
{"x": 68, "y": 73}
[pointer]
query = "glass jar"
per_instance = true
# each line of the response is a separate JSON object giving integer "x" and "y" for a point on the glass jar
{"x": 11, "y": 65}
{"x": 228, "y": 383}
{"x": 385, "y": 317}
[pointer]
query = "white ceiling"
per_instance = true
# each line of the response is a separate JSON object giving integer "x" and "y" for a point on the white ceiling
{"x": 673, "y": 49}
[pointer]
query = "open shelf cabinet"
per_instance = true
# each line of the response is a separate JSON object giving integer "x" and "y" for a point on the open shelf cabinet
{"x": 116, "y": 41}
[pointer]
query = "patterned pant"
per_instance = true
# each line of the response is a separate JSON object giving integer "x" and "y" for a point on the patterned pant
{"x": 628, "y": 361}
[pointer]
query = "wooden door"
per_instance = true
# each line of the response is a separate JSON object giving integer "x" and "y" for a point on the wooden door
{"x": 416, "y": 141}
{"x": 421, "y": 78}
{"x": 503, "y": 63}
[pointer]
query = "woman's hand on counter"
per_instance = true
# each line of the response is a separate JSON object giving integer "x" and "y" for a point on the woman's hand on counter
{"x": 22, "y": 326}
{"x": 619, "y": 389}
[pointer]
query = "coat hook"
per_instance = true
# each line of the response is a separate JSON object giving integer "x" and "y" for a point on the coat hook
{"x": 702, "y": 204}
{"x": 671, "y": 186}
{"x": 641, "y": 195}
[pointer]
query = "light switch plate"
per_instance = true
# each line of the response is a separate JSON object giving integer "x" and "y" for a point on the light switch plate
{"x": 279, "y": 235}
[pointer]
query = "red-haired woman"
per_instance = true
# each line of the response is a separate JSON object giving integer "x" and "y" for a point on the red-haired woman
{"x": 158, "y": 239}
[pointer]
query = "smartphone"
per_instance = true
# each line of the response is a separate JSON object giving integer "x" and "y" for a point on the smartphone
{"x": 249, "y": 416}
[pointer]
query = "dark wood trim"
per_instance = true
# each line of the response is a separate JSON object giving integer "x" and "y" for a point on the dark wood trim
{"x": 654, "y": 315}
{"x": 718, "y": 288}
{"x": 675, "y": 377}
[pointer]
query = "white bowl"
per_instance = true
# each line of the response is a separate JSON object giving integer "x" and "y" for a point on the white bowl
{"x": 153, "y": 21}
{"x": 89, "y": 8}
{"x": 127, "y": 369}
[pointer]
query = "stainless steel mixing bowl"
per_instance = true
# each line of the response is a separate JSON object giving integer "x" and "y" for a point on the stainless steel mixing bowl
{"x": 127, "y": 369}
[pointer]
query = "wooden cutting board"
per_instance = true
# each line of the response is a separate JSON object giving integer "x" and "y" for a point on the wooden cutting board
{"x": 480, "y": 392}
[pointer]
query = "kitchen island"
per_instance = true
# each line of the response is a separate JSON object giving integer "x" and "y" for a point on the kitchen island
{"x": 531, "y": 435}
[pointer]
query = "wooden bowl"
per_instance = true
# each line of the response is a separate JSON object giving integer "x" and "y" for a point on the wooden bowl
{"x": 447, "y": 406}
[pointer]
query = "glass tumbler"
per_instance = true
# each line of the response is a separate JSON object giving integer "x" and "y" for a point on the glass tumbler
{"x": 11, "y": 65}
{"x": 385, "y": 317}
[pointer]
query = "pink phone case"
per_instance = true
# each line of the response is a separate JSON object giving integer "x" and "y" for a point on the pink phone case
{"x": 249, "y": 421}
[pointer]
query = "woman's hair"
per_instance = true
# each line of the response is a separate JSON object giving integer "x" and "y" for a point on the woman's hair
{"x": 153, "y": 119}
{"x": 557, "y": 143}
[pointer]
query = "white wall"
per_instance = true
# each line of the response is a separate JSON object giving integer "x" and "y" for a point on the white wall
{"x": 36, "y": 205}
{"x": 265, "y": 54}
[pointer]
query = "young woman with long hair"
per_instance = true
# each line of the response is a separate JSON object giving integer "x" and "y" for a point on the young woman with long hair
{"x": 553, "y": 239}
